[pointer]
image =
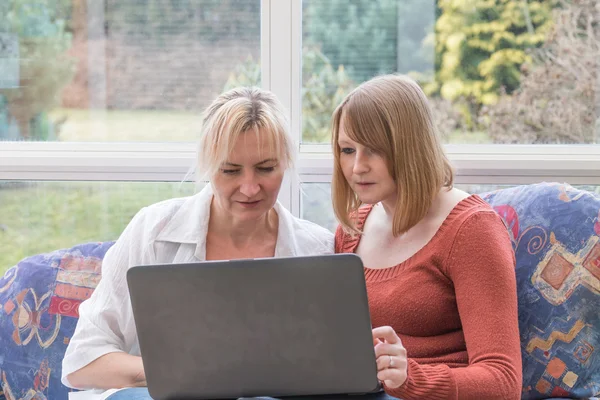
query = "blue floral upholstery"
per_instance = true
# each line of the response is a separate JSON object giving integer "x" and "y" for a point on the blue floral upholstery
{"x": 39, "y": 302}
{"x": 555, "y": 233}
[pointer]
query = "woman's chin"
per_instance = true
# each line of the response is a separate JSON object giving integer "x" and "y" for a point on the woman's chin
{"x": 369, "y": 200}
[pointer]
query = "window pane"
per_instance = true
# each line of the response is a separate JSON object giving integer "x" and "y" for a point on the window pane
{"x": 120, "y": 70}
{"x": 498, "y": 72}
{"x": 479, "y": 189}
{"x": 38, "y": 217}
{"x": 315, "y": 204}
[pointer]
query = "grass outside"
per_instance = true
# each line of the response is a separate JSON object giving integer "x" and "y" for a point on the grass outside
{"x": 37, "y": 217}
{"x": 460, "y": 137}
{"x": 126, "y": 126}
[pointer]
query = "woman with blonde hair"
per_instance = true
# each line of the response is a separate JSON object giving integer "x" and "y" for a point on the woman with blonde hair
{"x": 244, "y": 151}
{"x": 439, "y": 264}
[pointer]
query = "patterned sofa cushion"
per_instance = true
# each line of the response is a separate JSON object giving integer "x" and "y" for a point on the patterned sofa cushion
{"x": 555, "y": 232}
{"x": 39, "y": 302}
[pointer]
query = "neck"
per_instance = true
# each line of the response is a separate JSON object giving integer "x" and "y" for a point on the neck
{"x": 240, "y": 233}
{"x": 389, "y": 208}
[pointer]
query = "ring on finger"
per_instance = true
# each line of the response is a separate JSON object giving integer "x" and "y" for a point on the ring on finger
{"x": 391, "y": 361}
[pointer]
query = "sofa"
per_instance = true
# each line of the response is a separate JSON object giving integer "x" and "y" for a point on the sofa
{"x": 555, "y": 231}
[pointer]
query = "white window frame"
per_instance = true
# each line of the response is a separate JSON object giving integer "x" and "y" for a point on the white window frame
{"x": 281, "y": 49}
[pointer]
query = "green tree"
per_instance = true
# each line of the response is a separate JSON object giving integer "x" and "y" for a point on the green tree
{"x": 481, "y": 45}
{"x": 323, "y": 89}
{"x": 246, "y": 73}
{"x": 557, "y": 101}
{"x": 44, "y": 67}
{"x": 372, "y": 37}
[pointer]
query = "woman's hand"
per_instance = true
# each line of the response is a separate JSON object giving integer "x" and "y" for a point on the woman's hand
{"x": 392, "y": 363}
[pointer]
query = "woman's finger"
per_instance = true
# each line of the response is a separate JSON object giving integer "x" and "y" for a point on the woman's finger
{"x": 386, "y": 348}
{"x": 392, "y": 377}
{"x": 385, "y": 361}
{"x": 386, "y": 333}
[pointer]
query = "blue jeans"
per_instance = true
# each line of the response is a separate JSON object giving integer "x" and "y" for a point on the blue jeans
{"x": 142, "y": 394}
{"x": 131, "y": 394}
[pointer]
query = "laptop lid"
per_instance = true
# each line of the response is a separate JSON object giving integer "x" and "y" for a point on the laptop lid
{"x": 244, "y": 328}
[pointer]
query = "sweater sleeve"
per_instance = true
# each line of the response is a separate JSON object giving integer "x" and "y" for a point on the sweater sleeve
{"x": 481, "y": 267}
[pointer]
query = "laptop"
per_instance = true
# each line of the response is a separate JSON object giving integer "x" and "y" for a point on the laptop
{"x": 295, "y": 326}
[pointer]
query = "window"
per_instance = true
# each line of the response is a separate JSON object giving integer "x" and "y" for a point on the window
{"x": 316, "y": 204}
{"x": 115, "y": 70}
{"x": 498, "y": 72}
{"x": 348, "y": 42}
{"x": 104, "y": 96}
{"x": 37, "y": 217}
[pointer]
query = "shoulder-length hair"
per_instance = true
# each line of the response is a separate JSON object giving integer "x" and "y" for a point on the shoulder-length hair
{"x": 391, "y": 115}
{"x": 237, "y": 111}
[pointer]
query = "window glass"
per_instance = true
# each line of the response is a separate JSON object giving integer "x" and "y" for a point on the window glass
{"x": 120, "y": 70}
{"x": 37, "y": 217}
{"x": 494, "y": 71}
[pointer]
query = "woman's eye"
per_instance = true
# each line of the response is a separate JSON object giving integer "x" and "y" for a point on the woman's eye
{"x": 266, "y": 169}
{"x": 230, "y": 171}
{"x": 347, "y": 150}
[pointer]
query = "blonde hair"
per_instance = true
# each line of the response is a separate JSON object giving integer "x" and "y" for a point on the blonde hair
{"x": 237, "y": 111}
{"x": 391, "y": 115}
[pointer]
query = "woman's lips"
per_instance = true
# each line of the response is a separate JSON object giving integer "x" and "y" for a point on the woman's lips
{"x": 249, "y": 204}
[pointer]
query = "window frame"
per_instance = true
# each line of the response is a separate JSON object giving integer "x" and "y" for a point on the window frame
{"x": 281, "y": 50}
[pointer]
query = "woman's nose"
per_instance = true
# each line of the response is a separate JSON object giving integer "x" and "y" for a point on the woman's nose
{"x": 361, "y": 163}
{"x": 249, "y": 186}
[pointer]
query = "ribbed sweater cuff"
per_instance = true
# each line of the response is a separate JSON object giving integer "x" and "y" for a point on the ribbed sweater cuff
{"x": 433, "y": 382}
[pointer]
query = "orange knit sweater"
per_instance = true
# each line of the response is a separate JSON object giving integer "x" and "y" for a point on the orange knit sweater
{"x": 454, "y": 306}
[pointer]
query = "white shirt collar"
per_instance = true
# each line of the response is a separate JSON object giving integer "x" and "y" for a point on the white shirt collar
{"x": 189, "y": 225}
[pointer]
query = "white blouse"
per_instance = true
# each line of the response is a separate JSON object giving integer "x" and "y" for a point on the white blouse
{"x": 172, "y": 231}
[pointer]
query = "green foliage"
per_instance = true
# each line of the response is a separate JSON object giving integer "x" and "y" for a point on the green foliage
{"x": 371, "y": 37}
{"x": 44, "y": 66}
{"x": 557, "y": 100}
{"x": 34, "y": 18}
{"x": 481, "y": 45}
{"x": 323, "y": 89}
{"x": 246, "y": 73}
